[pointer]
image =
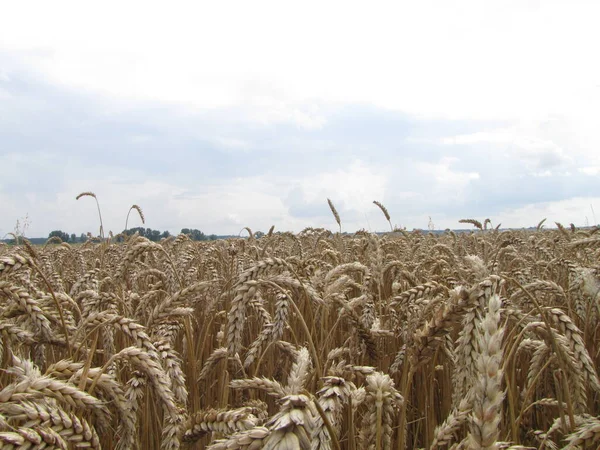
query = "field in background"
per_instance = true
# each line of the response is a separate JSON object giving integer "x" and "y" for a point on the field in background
{"x": 314, "y": 340}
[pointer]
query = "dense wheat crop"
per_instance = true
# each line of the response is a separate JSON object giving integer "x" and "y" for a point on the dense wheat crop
{"x": 316, "y": 340}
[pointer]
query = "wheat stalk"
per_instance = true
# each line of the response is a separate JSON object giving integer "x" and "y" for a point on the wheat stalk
{"x": 335, "y": 214}
{"x": 91, "y": 194}
{"x": 385, "y": 213}
{"x": 140, "y": 213}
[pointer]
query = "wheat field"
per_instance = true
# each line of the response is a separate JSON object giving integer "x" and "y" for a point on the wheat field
{"x": 318, "y": 340}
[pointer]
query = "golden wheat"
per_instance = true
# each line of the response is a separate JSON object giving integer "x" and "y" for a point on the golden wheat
{"x": 312, "y": 340}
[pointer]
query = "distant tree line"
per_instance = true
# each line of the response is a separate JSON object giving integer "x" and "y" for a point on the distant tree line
{"x": 149, "y": 233}
{"x": 156, "y": 235}
{"x": 197, "y": 235}
{"x": 66, "y": 237}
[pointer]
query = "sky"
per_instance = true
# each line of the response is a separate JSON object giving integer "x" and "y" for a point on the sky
{"x": 222, "y": 115}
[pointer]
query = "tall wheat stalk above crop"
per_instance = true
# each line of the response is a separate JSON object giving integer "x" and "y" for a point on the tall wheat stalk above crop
{"x": 91, "y": 194}
{"x": 335, "y": 214}
{"x": 385, "y": 213}
{"x": 140, "y": 213}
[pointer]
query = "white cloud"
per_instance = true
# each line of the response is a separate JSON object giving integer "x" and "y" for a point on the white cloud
{"x": 537, "y": 152}
{"x": 442, "y": 177}
{"x": 541, "y": 153}
{"x": 269, "y": 111}
{"x": 231, "y": 143}
{"x": 502, "y": 61}
{"x": 578, "y": 210}
{"x": 141, "y": 139}
{"x": 591, "y": 170}
{"x": 495, "y": 137}
{"x": 225, "y": 208}
{"x": 354, "y": 186}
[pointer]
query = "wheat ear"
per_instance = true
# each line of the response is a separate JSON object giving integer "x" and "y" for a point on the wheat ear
{"x": 335, "y": 213}
{"x": 488, "y": 394}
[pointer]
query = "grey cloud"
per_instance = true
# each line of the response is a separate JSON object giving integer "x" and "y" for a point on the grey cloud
{"x": 52, "y": 135}
{"x": 299, "y": 207}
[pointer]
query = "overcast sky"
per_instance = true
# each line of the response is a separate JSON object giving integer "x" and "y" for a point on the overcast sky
{"x": 220, "y": 115}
